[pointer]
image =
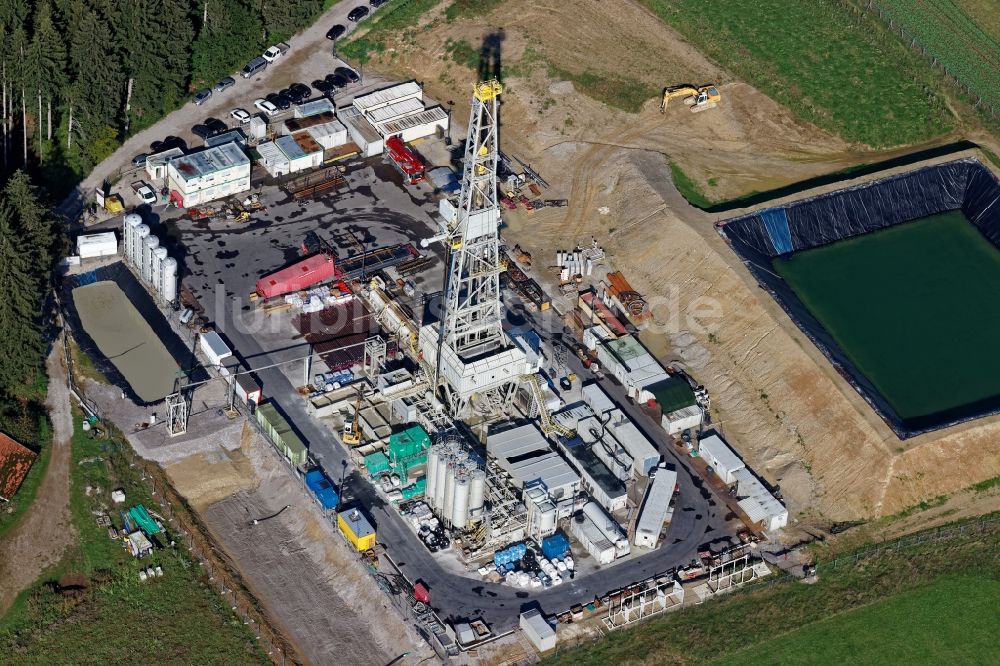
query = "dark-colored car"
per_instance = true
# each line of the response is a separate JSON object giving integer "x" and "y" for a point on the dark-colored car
{"x": 139, "y": 160}
{"x": 216, "y": 126}
{"x": 336, "y": 80}
{"x": 348, "y": 74}
{"x": 279, "y": 100}
{"x": 225, "y": 84}
{"x": 336, "y": 32}
{"x": 201, "y": 96}
{"x": 377, "y": 3}
{"x": 299, "y": 92}
{"x": 201, "y": 131}
{"x": 322, "y": 86}
{"x": 357, "y": 14}
{"x": 168, "y": 143}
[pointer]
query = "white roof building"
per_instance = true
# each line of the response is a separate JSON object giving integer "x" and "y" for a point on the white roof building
{"x": 538, "y": 630}
{"x": 387, "y": 96}
{"x": 656, "y": 510}
{"x": 723, "y": 460}
{"x": 526, "y": 455}
{"x": 208, "y": 174}
{"x": 619, "y": 426}
{"x": 632, "y": 365}
{"x": 214, "y": 348}
{"x": 91, "y": 246}
{"x": 758, "y": 503}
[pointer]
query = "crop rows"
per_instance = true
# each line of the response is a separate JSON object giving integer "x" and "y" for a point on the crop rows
{"x": 954, "y": 40}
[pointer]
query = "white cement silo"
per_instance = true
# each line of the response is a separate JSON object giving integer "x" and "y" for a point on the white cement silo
{"x": 168, "y": 289}
{"x": 460, "y": 511}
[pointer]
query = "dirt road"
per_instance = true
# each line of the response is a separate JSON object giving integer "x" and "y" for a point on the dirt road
{"x": 46, "y": 530}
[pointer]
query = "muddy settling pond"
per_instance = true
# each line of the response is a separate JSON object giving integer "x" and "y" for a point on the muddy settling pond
{"x": 124, "y": 337}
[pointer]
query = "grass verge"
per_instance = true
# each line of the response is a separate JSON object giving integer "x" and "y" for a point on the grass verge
{"x": 618, "y": 92}
{"x": 687, "y": 187}
{"x": 745, "y": 623}
{"x": 116, "y": 618}
{"x": 830, "y": 64}
{"x": 84, "y": 365}
{"x": 392, "y": 19}
{"x": 14, "y": 510}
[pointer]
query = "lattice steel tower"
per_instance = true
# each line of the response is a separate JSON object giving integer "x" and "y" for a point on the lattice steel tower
{"x": 472, "y": 301}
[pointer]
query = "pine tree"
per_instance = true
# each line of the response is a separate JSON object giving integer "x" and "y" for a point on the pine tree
{"x": 283, "y": 18}
{"x": 21, "y": 345}
{"x": 34, "y": 223}
{"x": 48, "y": 53}
{"x": 230, "y": 37}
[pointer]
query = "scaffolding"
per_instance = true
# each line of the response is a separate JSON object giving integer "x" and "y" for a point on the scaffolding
{"x": 643, "y": 600}
{"x": 177, "y": 414}
{"x": 506, "y": 516}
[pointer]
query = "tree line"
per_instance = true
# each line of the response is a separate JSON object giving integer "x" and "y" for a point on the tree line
{"x": 79, "y": 76}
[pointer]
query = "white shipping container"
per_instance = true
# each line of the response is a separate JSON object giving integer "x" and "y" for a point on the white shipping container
{"x": 92, "y": 246}
{"x": 214, "y": 348}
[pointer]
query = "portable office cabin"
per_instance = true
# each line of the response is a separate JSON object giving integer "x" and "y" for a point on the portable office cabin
{"x": 656, "y": 509}
{"x": 723, "y": 459}
{"x": 758, "y": 503}
{"x": 632, "y": 365}
{"x": 93, "y": 246}
{"x": 538, "y": 630}
{"x": 281, "y": 435}
{"x": 215, "y": 350}
{"x": 357, "y": 529}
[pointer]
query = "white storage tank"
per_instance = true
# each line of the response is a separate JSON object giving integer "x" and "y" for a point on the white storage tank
{"x": 156, "y": 268}
{"x": 141, "y": 233}
{"x": 431, "y": 477}
{"x": 442, "y": 475}
{"x": 460, "y": 514}
{"x": 149, "y": 244}
{"x": 547, "y": 517}
{"x": 132, "y": 222}
{"x": 477, "y": 491}
{"x": 448, "y": 506}
{"x": 168, "y": 269}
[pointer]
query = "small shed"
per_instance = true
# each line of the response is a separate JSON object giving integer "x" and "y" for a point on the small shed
{"x": 357, "y": 529}
{"x": 93, "y": 246}
{"x": 215, "y": 350}
{"x": 723, "y": 460}
{"x": 138, "y": 544}
{"x": 538, "y": 630}
{"x": 272, "y": 159}
{"x": 247, "y": 389}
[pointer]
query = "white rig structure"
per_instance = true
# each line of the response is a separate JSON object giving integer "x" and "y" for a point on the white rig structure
{"x": 143, "y": 252}
{"x": 473, "y": 360}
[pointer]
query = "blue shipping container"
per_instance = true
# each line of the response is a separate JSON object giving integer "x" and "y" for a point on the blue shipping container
{"x": 554, "y": 546}
{"x": 321, "y": 487}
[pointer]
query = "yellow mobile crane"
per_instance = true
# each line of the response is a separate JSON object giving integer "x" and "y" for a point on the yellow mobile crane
{"x": 352, "y": 424}
{"x": 699, "y": 99}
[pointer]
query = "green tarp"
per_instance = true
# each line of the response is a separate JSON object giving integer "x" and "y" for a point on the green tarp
{"x": 408, "y": 443}
{"x": 143, "y": 520}
{"x": 672, "y": 394}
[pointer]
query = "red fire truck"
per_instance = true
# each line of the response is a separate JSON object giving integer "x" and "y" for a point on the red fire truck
{"x": 405, "y": 160}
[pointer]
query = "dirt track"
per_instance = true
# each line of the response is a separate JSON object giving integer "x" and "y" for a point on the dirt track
{"x": 45, "y": 530}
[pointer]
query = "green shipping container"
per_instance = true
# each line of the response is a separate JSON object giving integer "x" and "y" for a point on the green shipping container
{"x": 408, "y": 443}
{"x": 415, "y": 490}
{"x": 281, "y": 434}
{"x": 376, "y": 463}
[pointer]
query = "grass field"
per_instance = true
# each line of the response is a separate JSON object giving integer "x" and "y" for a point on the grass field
{"x": 887, "y": 600}
{"x": 176, "y": 619}
{"x": 950, "y": 621}
{"x": 826, "y": 62}
{"x": 914, "y": 307}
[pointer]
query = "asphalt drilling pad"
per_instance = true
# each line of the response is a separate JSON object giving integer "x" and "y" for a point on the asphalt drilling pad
{"x": 907, "y": 312}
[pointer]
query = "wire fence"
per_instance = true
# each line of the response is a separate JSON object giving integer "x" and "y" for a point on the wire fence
{"x": 982, "y": 98}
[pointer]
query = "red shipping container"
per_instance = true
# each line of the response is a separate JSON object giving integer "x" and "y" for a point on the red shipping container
{"x": 420, "y": 593}
{"x": 300, "y": 275}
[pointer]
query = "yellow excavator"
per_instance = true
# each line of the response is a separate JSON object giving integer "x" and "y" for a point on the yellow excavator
{"x": 699, "y": 99}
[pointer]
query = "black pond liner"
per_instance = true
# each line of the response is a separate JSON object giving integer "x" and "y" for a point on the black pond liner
{"x": 144, "y": 304}
{"x": 964, "y": 185}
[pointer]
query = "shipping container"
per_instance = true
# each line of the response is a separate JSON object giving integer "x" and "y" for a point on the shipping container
{"x": 297, "y": 277}
{"x": 357, "y": 529}
{"x": 322, "y": 488}
{"x": 281, "y": 434}
{"x": 215, "y": 350}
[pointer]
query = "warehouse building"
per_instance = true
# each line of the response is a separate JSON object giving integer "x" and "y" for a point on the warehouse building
{"x": 678, "y": 404}
{"x": 758, "y": 503}
{"x": 525, "y": 454}
{"x": 211, "y": 173}
{"x": 720, "y": 457}
{"x": 632, "y": 365}
{"x": 656, "y": 510}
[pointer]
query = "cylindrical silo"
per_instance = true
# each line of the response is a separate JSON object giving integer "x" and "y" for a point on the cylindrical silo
{"x": 431, "y": 476}
{"x": 442, "y": 473}
{"x": 168, "y": 290}
{"x": 155, "y": 269}
{"x": 132, "y": 222}
{"x": 448, "y": 507}
{"x": 460, "y": 512}
{"x": 149, "y": 244}
{"x": 477, "y": 490}
{"x": 547, "y": 517}
{"x": 141, "y": 233}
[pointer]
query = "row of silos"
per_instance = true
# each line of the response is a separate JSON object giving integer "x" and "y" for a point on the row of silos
{"x": 150, "y": 261}
{"x": 456, "y": 487}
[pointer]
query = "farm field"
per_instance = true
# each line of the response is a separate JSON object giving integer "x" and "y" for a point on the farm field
{"x": 829, "y": 64}
{"x": 949, "y": 621}
{"x": 956, "y": 40}
{"x": 912, "y": 307}
{"x": 115, "y": 618}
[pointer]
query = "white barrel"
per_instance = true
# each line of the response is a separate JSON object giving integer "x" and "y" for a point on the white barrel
{"x": 448, "y": 506}
{"x": 149, "y": 243}
{"x": 141, "y": 233}
{"x": 156, "y": 268}
{"x": 431, "y": 477}
{"x": 477, "y": 492}
{"x": 168, "y": 287}
{"x": 460, "y": 511}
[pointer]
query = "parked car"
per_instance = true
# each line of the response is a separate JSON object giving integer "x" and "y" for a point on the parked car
{"x": 336, "y": 32}
{"x": 275, "y": 52}
{"x": 377, "y": 3}
{"x": 279, "y": 101}
{"x": 266, "y": 106}
{"x": 168, "y": 143}
{"x": 144, "y": 192}
{"x": 336, "y": 81}
{"x": 348, "y": 74}
{"x": 225, "y": 84}
{"x": 216, "y": 126}
{"x": 254, "y": 67}
{"x": 358, "y": 13}
{"x": 299, "y": 92}
{"x": 201, "y": 96}
{"x": 240, "y": 115}
{"x": 321, "y": 85}
{"x": 139, "y": 160}
{"x": 201, "y": 131}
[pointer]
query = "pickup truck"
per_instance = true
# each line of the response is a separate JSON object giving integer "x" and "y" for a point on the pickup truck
{"x": 275, "y": 52}
{"x": 144, "y": 192}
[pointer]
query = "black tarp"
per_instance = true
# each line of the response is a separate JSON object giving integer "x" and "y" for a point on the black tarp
{"x": 760, "y": 237}
{"x": 144, "y": 304}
